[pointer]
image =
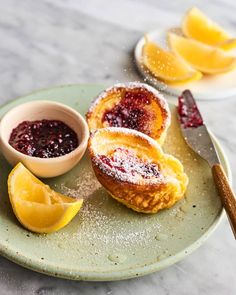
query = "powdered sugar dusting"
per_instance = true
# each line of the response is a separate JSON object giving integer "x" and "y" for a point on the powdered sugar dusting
{"x": 97, "y": 227}
{"x": 122, "y": 163}
{"x": 81, "y": 187}
{"x": 124, "y": 166}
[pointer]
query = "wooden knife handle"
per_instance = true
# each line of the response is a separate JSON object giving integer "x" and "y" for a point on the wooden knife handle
{"x": 226, "y": 194}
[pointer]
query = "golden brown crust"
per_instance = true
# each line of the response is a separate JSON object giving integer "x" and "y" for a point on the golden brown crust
{"x": 147, "y": 193}
{"x": 155, "y": 115}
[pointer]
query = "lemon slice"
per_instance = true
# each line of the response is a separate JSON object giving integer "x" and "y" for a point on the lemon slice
{"x": 228, "y": 44}
{"x": 164, "y": 65}
{"x": 198, "y": 26}
{"x": 202, "y": 57}
{"x": 36, "y": 206}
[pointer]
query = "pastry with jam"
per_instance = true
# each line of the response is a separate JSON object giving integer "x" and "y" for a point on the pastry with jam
{"x": 131, "y": 105}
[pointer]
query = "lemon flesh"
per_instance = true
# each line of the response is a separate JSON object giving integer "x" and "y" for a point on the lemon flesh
{"x": 167, "y": 67}
{"x": 198, "y": 26}
{"x": 36, "y": 206}
{"x": 202, "y": 57}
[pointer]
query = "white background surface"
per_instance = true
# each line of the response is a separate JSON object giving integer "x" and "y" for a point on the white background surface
{"x": 46, "y": 43}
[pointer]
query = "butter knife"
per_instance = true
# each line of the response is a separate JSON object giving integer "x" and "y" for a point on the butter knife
{"x": 197, "y": 137}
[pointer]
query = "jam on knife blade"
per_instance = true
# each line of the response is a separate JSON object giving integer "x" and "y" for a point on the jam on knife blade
{"x": 189, "y": 114}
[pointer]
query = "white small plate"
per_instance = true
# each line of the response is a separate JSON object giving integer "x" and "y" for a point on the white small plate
{"x": 208, "y": 88}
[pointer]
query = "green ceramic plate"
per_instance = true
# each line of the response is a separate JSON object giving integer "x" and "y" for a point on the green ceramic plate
{"x": 107, "y": 241}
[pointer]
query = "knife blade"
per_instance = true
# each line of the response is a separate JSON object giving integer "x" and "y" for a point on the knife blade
{"x": 194, "y": 130}
{"x": 198, "y": 138}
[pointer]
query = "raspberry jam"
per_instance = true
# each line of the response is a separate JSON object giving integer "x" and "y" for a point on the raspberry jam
{"x": 189, "y": 114}
{"x": 43, "y": 138}
{"x": 125, "y": 161}
{"x": 130, "y": 111}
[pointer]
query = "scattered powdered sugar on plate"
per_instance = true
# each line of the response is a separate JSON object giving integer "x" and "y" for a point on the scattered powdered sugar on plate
{"x": 101, "y": 220}
{"x": 80, "y": 187}
{"x": 106, "y": 228}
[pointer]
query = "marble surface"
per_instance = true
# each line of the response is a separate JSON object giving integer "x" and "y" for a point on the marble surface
{"x": 46, "y": 43}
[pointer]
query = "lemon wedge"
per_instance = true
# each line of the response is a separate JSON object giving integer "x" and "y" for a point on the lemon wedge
{"x": 167, "y": 67}
{"x": 36, "y": 206}
{"x": 198, "y": 26}
{"x": 202, "y": 57}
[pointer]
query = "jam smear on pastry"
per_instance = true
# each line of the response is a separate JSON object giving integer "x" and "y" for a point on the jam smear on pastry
{"x": 131, "y": 105}
{"x": 125, "y": 161}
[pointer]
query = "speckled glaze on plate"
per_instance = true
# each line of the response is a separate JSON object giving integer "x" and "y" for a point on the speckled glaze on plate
{"x": 107, "y": 241}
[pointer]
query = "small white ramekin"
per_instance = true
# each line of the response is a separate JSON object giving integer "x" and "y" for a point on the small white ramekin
{"x": 38, "y": 110}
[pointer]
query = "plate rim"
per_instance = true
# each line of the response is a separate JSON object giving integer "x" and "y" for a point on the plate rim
{"x": 156, "y": 83}
{"x": 73, "y": 274}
